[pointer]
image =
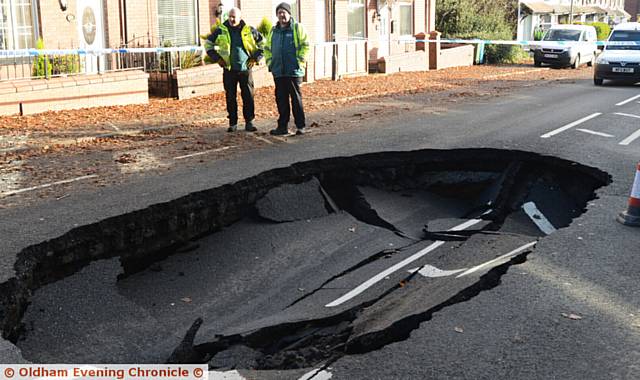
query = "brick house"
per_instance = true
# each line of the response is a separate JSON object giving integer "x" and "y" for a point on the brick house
{"x": 388, "y": 25}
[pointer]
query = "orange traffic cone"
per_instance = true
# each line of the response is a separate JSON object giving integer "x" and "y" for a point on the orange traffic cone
{"x": 631, "y": 217}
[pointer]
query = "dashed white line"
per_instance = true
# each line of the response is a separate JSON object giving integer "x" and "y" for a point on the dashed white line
{"x": 317, "y": 375}
{"x": 225, "y": 375}
{"x": 497, "y": 261}
{"x": 631, "y": 99}
{"x": 538, "y": 218}
{"x": 433, "y": 272}
{"x": 594, "y": 132}
{"x": 627, "y": 115}
{"x": 631, "y": 138}
{"x": 570, "y": 125}
{"x": 13, "y": 192}
{"x": 380, "y": 276}
{"x": 203, "y": 153}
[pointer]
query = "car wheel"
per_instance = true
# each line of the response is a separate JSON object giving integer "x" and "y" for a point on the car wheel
{"x": 598, "y": 81}
{"x": 576, "y": 63}
{"x": 593, "y": 60}
{"x": 537, "y": 63}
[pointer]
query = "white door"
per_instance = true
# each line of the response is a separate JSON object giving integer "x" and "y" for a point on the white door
{"x": 91, "y": 33}
{"x": 385, "y": 38}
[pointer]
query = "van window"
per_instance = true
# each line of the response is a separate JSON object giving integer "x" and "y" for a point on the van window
{"x": 624, "y": 35}
{"x": 562, "y": 35}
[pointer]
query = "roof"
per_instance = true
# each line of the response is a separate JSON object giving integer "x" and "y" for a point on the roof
{"x": 628, "y": 26}
{"x": 538, "y": 7}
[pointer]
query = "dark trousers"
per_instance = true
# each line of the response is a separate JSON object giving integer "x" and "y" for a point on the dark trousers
{"x": 230, "y": 79}
{"x": 289, "y": 88}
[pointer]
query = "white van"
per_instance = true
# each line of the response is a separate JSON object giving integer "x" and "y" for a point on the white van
{"x": 620, "y": 62}
{"x": 567, "y": 45}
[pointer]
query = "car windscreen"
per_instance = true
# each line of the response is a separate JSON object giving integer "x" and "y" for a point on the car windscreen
{"x": 562, "y": 35}
{"x": 627, "y": 36}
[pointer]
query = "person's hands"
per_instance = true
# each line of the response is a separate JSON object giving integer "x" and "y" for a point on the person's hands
{"x": 222, "y": 63}
{"x": 252, "y": 62}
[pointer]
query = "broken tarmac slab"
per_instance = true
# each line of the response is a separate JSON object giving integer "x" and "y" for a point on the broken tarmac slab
{"x": 292, "y": 202}
{"x": 145, "y": 236}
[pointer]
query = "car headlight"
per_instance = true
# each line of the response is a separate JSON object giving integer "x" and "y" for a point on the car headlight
{"x": 602, "y": 61}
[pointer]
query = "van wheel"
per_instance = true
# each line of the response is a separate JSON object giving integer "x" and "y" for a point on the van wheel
{"x": 593, "y": 60}
{"x": 537, "y": 63}
{"x": 598, "y": 81}
{"x": 576, "y": 63}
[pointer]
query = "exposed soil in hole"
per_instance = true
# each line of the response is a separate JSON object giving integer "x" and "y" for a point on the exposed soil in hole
{"x": 265, "y": 267}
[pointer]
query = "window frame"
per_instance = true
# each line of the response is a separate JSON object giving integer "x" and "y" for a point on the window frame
{"x": 13, "y": 26}
{"x": 361, "y": 6}
{"x": 195, "y": 40}
{"x": 411, "y": 17}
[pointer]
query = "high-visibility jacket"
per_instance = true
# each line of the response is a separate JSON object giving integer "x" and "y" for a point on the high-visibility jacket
{"x": 286, "y": 50}
{"x": 218, "y": 44}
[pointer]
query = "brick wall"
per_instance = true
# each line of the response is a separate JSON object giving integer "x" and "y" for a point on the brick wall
{"x": 142, "y": 21}
{"x": 414, "y": 61}
{"x": 204, "y": 80}
{"x": 40, "y": 95}
{"x": 57, "y": 32}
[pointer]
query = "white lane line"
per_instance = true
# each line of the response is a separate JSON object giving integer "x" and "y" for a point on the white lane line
{"x": 203, "y": 153}
{"x": 538, "y": 218}
{"x": 631, "y": 99}
{"x": 380, "y": 276}
{"x": 631, "y": 138}
{"x": 497, "y": 261}
{"x": 13, "y": 192}
{"x": 433, "y": 272}
{"x": 571, "y": 125}
{"x": 594, "y": 132}
{"x": 627, "y": 115}
{"x": 317, "y": 375}
{"x": 262, "y": 139}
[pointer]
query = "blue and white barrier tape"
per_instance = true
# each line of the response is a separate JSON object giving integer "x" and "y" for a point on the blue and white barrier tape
{"x": 37, "y": 52}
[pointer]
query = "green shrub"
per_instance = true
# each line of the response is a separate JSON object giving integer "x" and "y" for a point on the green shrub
{"x": 538, "y": 33}
{"x": 602, "y": 30}
{"x": 265, "y": 26}
{"x": 41, "y": 66}
{"x": 190, "y": 59}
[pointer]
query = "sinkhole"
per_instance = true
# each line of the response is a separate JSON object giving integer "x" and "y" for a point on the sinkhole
{"x": 294, "y": 267}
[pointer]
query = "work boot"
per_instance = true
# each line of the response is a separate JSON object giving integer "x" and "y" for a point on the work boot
{"x": 232, "y": 128}
{"x": 279, "y": 131}
{"x": 248, "y": 126}
{"x": 301, "y": 131}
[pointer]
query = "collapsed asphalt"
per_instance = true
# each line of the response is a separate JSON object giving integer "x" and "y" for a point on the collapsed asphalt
{"x": 250, "y": 282}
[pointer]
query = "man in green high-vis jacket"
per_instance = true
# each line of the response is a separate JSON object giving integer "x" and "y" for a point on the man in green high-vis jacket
{"x": 236, "y": 47}
{"x": 286, "y": 52}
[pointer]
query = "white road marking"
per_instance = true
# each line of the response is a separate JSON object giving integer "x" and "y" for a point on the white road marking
{"x": 631, "y": 99}
{"x": 497, "y": 261}
{"x": 13, "y": 192}
{"x": 631, "y": 138}
{"x": 380, "y": 276}
{"x": 627, "y": 115}
{"x": 570, "y": 125}
{"x": 594, "y": 132}
{"x": 433, "y": 272}
{"x": 203, "y": 153}
{"x": 226, "y": 375}
{"x": 538, "y": 218}
{"x": 261, "y": 138}
{"x": 322, "y": 375}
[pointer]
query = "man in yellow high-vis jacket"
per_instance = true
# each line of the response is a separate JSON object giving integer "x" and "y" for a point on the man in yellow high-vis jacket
{"x": 236, "y": 47}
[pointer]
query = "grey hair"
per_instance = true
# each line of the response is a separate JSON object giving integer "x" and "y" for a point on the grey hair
{"x": 236, "y": 10}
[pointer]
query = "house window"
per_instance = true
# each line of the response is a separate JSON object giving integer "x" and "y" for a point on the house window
{"x": 17, "y": 24}
{"x": 295, "y": 10}
{"x": 356, "y": 19}
{"x": 177, "y": 22}
{"x": 406, "y": 19}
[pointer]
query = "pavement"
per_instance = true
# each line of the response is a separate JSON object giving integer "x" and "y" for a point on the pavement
{"x": 570, "y": 311}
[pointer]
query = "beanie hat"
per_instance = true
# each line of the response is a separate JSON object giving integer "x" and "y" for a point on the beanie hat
{"x": 284, "y": 6}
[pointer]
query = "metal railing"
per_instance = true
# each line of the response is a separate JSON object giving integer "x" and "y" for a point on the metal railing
{"x": 34, "y": 63}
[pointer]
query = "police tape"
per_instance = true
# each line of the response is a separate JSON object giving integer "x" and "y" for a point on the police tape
{"x": 193, "y": 49}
